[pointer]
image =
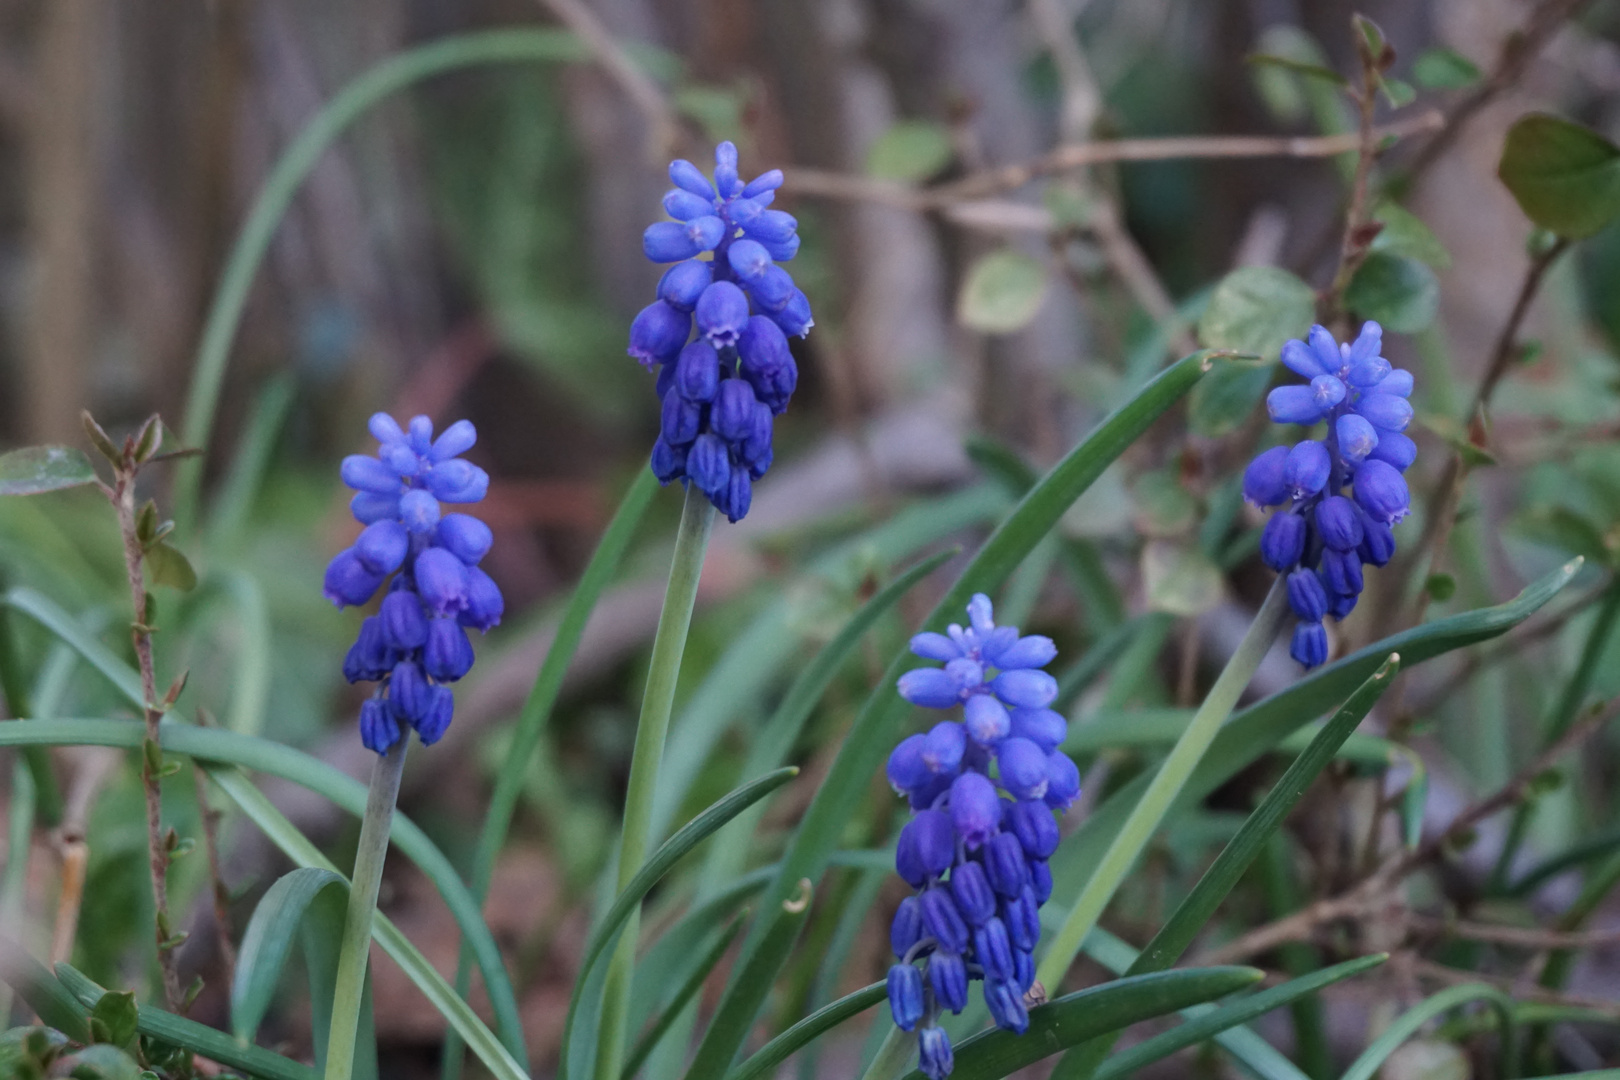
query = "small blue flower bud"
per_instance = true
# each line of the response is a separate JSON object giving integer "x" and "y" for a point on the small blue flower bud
{"x": 1023, "y": 768}
{"x": 705, "y": 232}
{"x": 1031, "y": 651}
{"x": 385, "y": 429}
{"x": 1368, "y": 343}
{"x": 905, "y": 995}
{"x": 1040, "y": 880}
{"x": 401, "y": 459}
{"x": 1366, "y": 373}
{"x": 669, "y": 241}
{"x": 947, "y": 974}
{"x": 1282, "y": 541}
{"x": 668, "y": 462}
{"x": 906, "y": 770}
{"x": 1024, "y": 966}
{"x": 906, "y": 929}
{"x": 441, "y": 579}
{"x": 1397, "y": 382}
{"x": 458, "y": 481}
{"x": 1005, "y": 865}
{"x": 732, "y": 417}
{"x": 465, "y": 537}
{"x": 1043, "y": 727}
{"x": 722, "y": 312}
{"x": 658, "y": 332}
{"x": 369, "y": 507}
{"x": 381, "y": 547}
{"x": 725, "y": 171}
{"x": 1357, "y": 437}
{"x": 1326, "y": 349}
{"x": 772, "y": 289}
{"x": 684, "y": 206}
{"x": 403, "y": 624}
{"x": 1006, "y": 1003}
{"x": 934, "y": 1058}
{"x": 943, "y": 921}
{"x": 680, "y": 420}
{"x": 1382, "y": 492}
{"x": 767, "y": 363}
{"x": 986, "y": 719}
{"x": 448, "y": 655}
{"x": 697, "y": 372}
{"x": 369, "y": 658}
{"x": 1340, "y": 605}
{"x": 420, "y": 434}
{"x": 994, "y": 951}
{"x": 1385, "y": 411}
{"x": 975, "y": 808}
{"x": 683, "y": 283}
{"x": 1023, "y": 919}
{"x": 932, "y": 841}
{"x": 1294, "y": 404}
{"x": 1377, "y": 542}
{"x": 929, "y": 687}
{"x": 365, "y": 473}
{"x": 708, "y": 465}
{"x": 749, "y": 260}
{"x": 738, "y": 496}
{"x": 769, "y": 180}
{"x": 1338, "y": 523}
{"x": 378, "y": 731}
{"x": 441, "y": 705}
{"x": 1327, "y": 391}
{"x": 771, "y": 226}
{"x": 1342, "y": 571}
{"x": 348, "y": 581}
{"x": 1394, "y": 449}
{"x": 943, "y": 747}
{"x": 1299, "y": 358}
{"x": 1310, "y": 644}
{"x": 688, "y": 177}
{"x": 1264, "y": 483}
{"x": 1062, "y": 780}
{"x": 408, "y": 692}
{"x": 932, "y": 646}
{"x": 1031, "y": 821}
{"x": 783, "y": 250}
{"x": 1025, "y": 689}
{"x": 1307, "y": 596}
{"x": 485, "y": 605}
{"x": 419, "y": 511}
{"x": 743, "y": 212}
{"x": 794, "y": 319}
{"x": 454, "y": 441}
{"x": 971, "y": 890}
{"x": 1307, "y": 468}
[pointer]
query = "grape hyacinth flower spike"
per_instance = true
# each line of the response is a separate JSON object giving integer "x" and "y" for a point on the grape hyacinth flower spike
{"x": 721, "y": 390}
{"x": 1321, "y": 538}
{"x": 983, "y": 789}
{"x": 417, "y": 643}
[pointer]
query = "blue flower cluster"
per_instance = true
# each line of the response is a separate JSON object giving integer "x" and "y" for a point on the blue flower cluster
{"x": 417, "y": 641}
{"x": 721, "y": 389}
{"x": 978, "y": 859}
{"x": 1323, "y": 538}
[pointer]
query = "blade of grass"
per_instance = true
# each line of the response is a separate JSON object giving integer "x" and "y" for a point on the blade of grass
{"x": 812, "y": 1027}
{"x": 687, "y": 991}
{"x": 1407, "y": 1024}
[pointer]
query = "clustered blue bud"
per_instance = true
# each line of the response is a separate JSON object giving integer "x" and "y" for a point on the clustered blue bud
{"x": 978, "y": 845}
{"x": 721, "y": 390}
{"x": 1322, "y": 538}
{"x": 417, "y": 642}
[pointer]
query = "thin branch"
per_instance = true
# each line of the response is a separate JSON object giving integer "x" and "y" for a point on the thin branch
{"x": 1523, "y": 937}
{"x": 1453, "y": 976}
{"x": 1359, "y": 232}
{"x": 664, "y": 131}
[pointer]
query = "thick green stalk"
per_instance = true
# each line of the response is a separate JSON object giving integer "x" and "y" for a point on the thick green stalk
{"x": 1172, "y": 776}
{"x": 356, "y": 950}
{"x": 697, "y": 519}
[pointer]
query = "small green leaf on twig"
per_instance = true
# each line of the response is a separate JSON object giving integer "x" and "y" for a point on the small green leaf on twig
{"x": 1404, "y": 233}
{"x": 176, "y": 688}
{"x": 910, "y": 151}
{"x": 1002, "y": 292}
{"x": 1399, "y": 292}
{"x": 149, "y": 439}
{"x": 171, "y": 568}
{"x": 1298, "y": 67}
{"x": 146, "y": 523}
{"x": 174, "y": 941}
{"x": 101, "y": 440}
{"x": 113, "y": 1018}
{"x": 1565, "y": 177}
{"x": 37, "y": 469}
{"x": 1444, "y": 69}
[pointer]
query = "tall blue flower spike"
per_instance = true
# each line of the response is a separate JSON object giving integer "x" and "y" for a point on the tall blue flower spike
{"x": 417, "y": 642}
{"x": 1322, "y": 538}
{"x": 977, "y": 848}
{"x": 720, "y": 390}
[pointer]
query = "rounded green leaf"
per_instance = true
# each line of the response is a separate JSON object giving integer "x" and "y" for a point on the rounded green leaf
{"x": 1228, "y": 395}
{"x": 1002, "y": 293}
{"x": 1400, "y": 293}
{"x": 1566, "y": 177}
{"x": 1444, "y": 69}
{"x": 910, "y": 150}
{"x": 1255, "y": 309}
{"x": 1404, "y": 233}
{"x": 36, "y": 469}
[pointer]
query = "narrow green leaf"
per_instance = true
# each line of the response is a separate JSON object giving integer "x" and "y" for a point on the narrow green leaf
{"x": 1566, "y": 177}
{"x": 1230, "y": 1015}
{"x": 910, "y": 151}
{"x": 179, "y": 1031}
{"x": 1413, "y": 801}
{"x": 34, "y": 470}
{"x": 45, "y": 611}
{"x": 1407, "y": 1024}
{"x": 1296, "y": 67}
{"x": 101, "y": 440}
{"x": 1439, "y": 68}
{"x": 49, "y": 999}
{"x": 1076, "y": 1017}
{"x": 768, "y": 1057}
{"x": 1399, "y": 292}
{"x": 1002, "y": 292}
{"x": 687, "y": 991}
{"x": 268, "y": 941}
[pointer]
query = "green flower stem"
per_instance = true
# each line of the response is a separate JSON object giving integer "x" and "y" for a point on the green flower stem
{"x": 1172, "y": 776}
{"x": 697, "y": 520}
{"x": 356, "y": 949}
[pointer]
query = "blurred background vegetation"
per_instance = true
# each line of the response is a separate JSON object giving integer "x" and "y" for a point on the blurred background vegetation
{"x": 472, "y": 248}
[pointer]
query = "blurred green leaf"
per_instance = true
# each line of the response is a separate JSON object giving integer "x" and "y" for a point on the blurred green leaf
{"x": 170, "y": 568}
{"x": 1292, "y": 77}
{"x": 103, "y": 1062}
{"x": 1566, "y": 177}
{"x": 1163, "y": 506}
{"x": 719, "y": 109}
{"x": 36, "y": 469}
{"x": 1255, "y": 309}
{"x": 1399, "y": 292}
{"x": 1408, "y": 1023}
{"x": 1441, "y": 587}
{"x": 1404, "y": 233}
{"x": 1228, "y": 395}
{"x": 806, "y": 1031}
{"x": 1397, "y": 92}
{"x": 115, "y": 1013}
{"x": 1440, "y": 68}
{"x": 911, "y": 151}
{"x": 1180, "y": 580}
{"x": 1002, "y": 292}
{"x": 1568, "y": 530}
{"x": 673, "y": 1008}
{"x": 268, "y": 942}
{"x": 1297, "y": 67}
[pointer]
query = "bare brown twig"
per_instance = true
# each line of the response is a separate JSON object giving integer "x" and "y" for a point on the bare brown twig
{"x": 664, "y": 130}
{"x": 1523, "y": 937}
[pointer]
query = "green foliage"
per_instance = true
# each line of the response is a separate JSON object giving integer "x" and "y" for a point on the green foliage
{"x": 1002, "y": 292}
{"x": 1254, "y": 309}
{"x": 1440, "y": 68}
{"x": 910, "y": 151}
{"x": 1399, "y": 292}
{"x": 1566, "y": 177}
{"x": 1405, "y": 234}
{"x": 37, "y": 469}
